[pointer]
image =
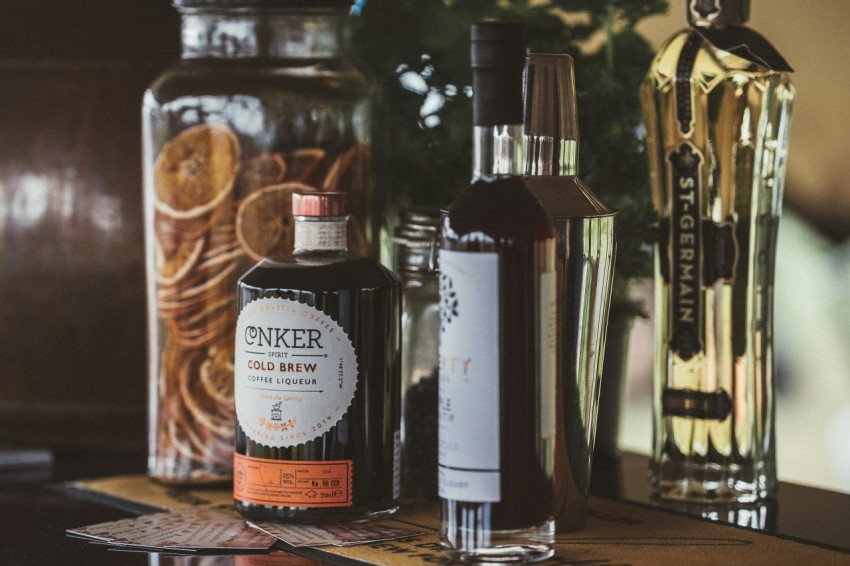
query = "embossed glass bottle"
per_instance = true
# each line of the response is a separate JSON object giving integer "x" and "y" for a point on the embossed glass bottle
{"x": 717, "y": 106}
{"x": 317, "y": 377}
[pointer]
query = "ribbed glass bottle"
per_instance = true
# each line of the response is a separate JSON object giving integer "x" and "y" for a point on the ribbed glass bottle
{"x": 317, "y": 378}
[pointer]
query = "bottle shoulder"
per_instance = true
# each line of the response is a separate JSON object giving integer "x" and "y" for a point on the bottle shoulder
{"x": 497, "y": 209}
{"x": 711, "y": 65}
{"x": 320, "y": 273}
{"x": 336, "y": 78}
{"x": 567, "y": 197}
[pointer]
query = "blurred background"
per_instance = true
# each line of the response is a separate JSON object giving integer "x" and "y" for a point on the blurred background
{"x": 72, "y": 282}
{"x": 72, "y": 298}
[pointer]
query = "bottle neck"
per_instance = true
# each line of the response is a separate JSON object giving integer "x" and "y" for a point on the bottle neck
{"x": 497, "y": 151}
{"x": 545, "y": 155}
{"x": 416, "y": 241}
{"x": 717, "y": 13}
{"x": 230, "y": 34}
{"x": 321, "y": 234}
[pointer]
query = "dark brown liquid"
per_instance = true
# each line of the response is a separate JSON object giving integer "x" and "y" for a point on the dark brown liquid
{"x": 364, "y": 298}
{"x": 502, "y": 216}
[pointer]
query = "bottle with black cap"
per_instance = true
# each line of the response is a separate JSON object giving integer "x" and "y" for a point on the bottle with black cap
{"x": 498, "y": 336}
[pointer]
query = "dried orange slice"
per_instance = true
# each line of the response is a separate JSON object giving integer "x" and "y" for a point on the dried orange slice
{"x": 195, "y": 171}
{"x": 306, "y": 165}
{"x": 204, "y": 412}
{"x": 260, "y": 171}
{"x": 216, "y": 376}
{"x": 350, "y": 174}
{"x": 358, "y": 243}
{"x": 264, "y": 224}
{"x": 350, "y": 170}
{"x": 175, "y": 263}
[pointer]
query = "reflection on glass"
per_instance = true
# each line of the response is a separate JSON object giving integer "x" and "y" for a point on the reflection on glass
{"x": 762, "y": 515}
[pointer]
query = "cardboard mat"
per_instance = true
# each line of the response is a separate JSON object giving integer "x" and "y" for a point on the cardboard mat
{"x": 615, "y": 532}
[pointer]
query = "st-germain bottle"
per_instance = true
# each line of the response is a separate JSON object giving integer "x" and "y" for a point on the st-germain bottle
{"x": 717, "y": 106}
{"x": 317, "y": 378}
{"x": 498, "y": 343}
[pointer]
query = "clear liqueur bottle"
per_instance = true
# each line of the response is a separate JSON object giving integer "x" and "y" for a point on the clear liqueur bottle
{"x": 584, "y": 228}
{"x": 498, "y": 331}
{"x": 317, "y": 377}
{"x": 717, "y": 107}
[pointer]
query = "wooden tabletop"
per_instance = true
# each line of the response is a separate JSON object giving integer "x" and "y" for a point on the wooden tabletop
{"x": 34, "y": 514}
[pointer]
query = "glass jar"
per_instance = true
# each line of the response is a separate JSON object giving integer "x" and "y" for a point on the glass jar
{"x": 416, "y": 262}
{"x": 262, "y": 102}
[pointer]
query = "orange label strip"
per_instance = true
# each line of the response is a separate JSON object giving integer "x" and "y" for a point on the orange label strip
{"x": 292, "y": 484}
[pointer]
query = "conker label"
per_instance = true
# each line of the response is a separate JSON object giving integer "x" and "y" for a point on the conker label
{"x": 295, "y": 372}
{"x": 293, "y": 484}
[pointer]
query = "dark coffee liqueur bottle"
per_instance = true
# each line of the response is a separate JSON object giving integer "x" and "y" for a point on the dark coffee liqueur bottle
{"x": 498, "y": 331}
{"x": 317, "y": 378}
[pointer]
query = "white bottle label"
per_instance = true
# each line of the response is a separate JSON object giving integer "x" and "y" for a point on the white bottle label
{"x": 295, "y": 372}
{"x": 548, "y": 333}
{"x": 320, "y": 234}
{"x": 469, "y": 377}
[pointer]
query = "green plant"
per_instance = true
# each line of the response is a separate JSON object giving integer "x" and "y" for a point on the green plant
{"x": 418, "y": 50}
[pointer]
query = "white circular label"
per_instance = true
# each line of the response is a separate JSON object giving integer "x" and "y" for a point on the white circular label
{"x": 295, "y": 372}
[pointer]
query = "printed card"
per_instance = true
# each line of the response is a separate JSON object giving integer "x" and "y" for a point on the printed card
{"x": 333, "y": 535}
{"x": 186, "y": 530}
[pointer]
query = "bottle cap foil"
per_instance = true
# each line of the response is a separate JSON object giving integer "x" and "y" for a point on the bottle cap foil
{"x": 319, "y": 204}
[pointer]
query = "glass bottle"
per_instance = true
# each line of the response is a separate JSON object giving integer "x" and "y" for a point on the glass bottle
{"x": 717, "y": 106}
{"x": 584, "y": 228}
{"x": 317, "y": 378}
{"x": 262, "y": 102}
{"x": 498, "y": 335}
{"x": 416, "y": 262}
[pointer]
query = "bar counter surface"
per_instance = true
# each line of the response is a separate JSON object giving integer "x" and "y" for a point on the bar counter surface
{"x": 35, "y": 513}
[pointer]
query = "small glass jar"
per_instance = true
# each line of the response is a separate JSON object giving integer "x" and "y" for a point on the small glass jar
{"x": 416, "y": 262}
{"x": 262, "y": 103}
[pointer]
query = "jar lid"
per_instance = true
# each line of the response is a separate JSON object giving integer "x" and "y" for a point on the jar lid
{"x": 416, "y": 240}
{"x": 263, "y": 4}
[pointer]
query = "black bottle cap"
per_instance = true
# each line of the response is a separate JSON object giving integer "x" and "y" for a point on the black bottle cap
{"x": 498, "y": 58}
{"x": 717, "y": 13}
